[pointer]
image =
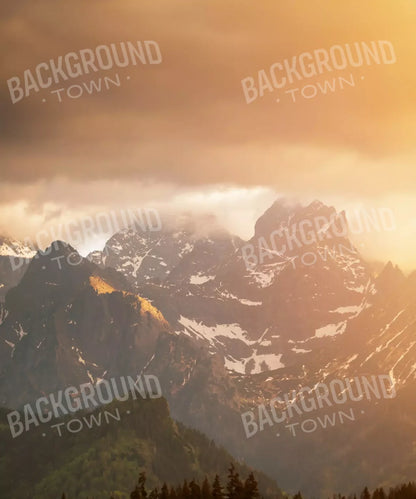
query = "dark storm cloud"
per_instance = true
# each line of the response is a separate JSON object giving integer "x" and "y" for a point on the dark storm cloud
{"x": 186, "y": 119}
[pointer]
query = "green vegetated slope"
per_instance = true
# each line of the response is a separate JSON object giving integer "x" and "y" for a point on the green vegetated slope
{"x": 105, "y": 460}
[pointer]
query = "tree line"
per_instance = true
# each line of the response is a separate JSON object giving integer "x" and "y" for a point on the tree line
{"x": 404, "y": 491}
{"x": 235, "y": 488}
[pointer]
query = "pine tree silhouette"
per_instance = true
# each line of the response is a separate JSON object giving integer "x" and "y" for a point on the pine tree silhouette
{"x": 139, "y": 491}
{"x": 142, "y": 485}
{"x": 234, "y": 485}
{"x": 365, "y": 494}
{"x": 195, "y": 490}
{"x": 217, "y": 492}
{"x": 206, "y": 489}
{"x": 136, "y": 493}
{"x": 251, "y": 490}
{"x": 164, "y": 493}
{"x": 154, "y": 494}
{"x": 379, "y": 494}
{"x": 185, "y": 490}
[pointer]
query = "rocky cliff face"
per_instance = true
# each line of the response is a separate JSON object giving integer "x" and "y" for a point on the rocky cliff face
{"x": 225, "y": 335}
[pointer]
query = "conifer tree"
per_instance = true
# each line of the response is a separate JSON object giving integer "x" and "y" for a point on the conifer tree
{"x": 154, "y": 494}
{"x": 217, "y": 492}
{"x": 231, "y": 483}
{"x": 136, "y": 493}
{"x": 379, "y": 494}
{"x": 142, "y": 485}
{"x": 195, "y": 490}
{"x": 139, "y": 491}
{"x": 206, "y": 489}
{"x": 234, "y": 485}
{"x": 365, "y": 494}
{"x": 164, "y": 493}
{"x": 251, "y": 490}
{"x": 185, "y": 490}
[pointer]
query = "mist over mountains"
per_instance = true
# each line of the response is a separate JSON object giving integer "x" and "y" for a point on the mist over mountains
{"x": 226, "y": 325}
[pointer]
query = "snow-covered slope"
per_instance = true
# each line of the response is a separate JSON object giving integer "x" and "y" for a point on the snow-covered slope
{"x": 14, "y": 258}
{"x": 262, "y": 313}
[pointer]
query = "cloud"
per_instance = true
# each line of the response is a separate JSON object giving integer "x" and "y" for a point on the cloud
{"x": 182, "y": 131}
{"x": 186, "y": 119}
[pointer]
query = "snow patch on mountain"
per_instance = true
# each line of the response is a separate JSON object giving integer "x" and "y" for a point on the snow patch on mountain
{"x": 267, "y": 275}
{"x": 331, "y": 329}
{"x": 244, "y": 301}
{"x": 200, "y": 279}
{"x": 11, "y": 345}
{"x": 20, "y": 332}
{"x": 134, "y": 262}
{"x": 3, "y": 314}
{"x": 387, "y": 327}
{"x": 187, "y": 248}
{"x": 214, "y": 333}
{"x": 403, "y": 356}
{"x": 300, "y": 350}
{"x": 349, "y": 309}
{"x": 260, "y": 363}
{"x": 16, "y": 248}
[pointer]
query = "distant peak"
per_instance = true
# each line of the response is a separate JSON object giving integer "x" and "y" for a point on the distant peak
{"x": 390, "y": 267}
{"x": 391, "y": 274}
{"x": 57, "y": 248}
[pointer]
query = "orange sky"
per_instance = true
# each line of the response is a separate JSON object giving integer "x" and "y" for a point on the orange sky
{"x": 183, "y": 128}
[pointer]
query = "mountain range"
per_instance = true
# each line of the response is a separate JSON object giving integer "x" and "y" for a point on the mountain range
{"x": 224, "y": 336}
